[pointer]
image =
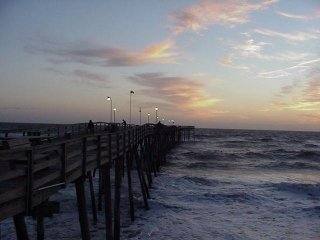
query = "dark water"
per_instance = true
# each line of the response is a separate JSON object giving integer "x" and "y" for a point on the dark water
{"x": 238, "y": 184}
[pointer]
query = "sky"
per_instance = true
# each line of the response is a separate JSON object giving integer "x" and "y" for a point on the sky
{"x": 218, "y": 64}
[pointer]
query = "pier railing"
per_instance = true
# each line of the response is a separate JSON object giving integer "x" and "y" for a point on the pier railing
{"x": 30, "y": 175}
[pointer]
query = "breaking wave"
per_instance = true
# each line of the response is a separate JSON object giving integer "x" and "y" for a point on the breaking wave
{"x": 297, "y": 188}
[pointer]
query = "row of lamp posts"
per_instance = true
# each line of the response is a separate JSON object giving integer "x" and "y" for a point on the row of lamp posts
{"x": 113, "y": 110}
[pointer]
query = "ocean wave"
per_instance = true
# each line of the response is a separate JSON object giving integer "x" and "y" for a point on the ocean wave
{"x": 297, "y": 188}
{"x": 256, "y": 154}
{"x": 311, "y": 145}
{"x": 289, "y": 165}
{"x": 174, "y": 207}
{"x": 266, "y": 139}
{"x": 308, "y": 154}
{"x": 312, "y": 210}
{"x": 210, "y": 165}
{"x": 211, "y": 155}
{"x": 201, "y": 181}
{"x": 230, "y": 197}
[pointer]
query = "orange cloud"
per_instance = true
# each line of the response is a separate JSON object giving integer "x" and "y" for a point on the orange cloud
{"x": 181, "y": 93}
{"x": 86, "y": 53}
{"x": 200, "y": 16}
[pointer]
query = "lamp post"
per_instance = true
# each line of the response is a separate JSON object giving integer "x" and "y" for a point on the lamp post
{"x": 140, "y": 115}
{"x": 114, "y": 115}
{"x": 131, "y": 92}
{"x": 156, "y": 109}
{"x": 148, "y": 118}
{"x": 109, "y": 99}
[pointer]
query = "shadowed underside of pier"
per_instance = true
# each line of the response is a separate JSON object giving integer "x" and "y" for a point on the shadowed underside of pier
{"x": 29, "y": 175}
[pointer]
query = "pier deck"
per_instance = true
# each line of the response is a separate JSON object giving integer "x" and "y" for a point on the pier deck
{"x": 29, "y": 175}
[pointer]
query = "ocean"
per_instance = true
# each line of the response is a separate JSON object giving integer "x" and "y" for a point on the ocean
{"x": 226, "y": 184}
{"x": 237, "y": 184}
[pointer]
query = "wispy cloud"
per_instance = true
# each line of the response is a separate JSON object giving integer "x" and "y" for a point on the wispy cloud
{"x": 297, "y": 16}
{"x": 206, "y": 13}
{"x": 91, "y": 54}
{"x": 297, "y": 36}
{"x": 181, "y": 92}
{"x": 284, "y": 72}
{"x": 82, "y": 77}
{"x": 249, "y": 48}
{"x": 89, "y": 78}
{"x": 227, "y": 61}
{"x": 302, "y": 96}
{"x": 312, "y": 88}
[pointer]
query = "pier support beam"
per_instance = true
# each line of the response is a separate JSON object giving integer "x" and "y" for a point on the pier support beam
{"x": 107, "y": 200}
{"x": 40, "y": 227}
{"x": 93, "y": 199}
{"x": 82, "y": 208}
{"x": 20, "y": 225}
{"x": 130, "y": 194}
{"x": 142, "y": 181}
{"x": 117, "y": 198}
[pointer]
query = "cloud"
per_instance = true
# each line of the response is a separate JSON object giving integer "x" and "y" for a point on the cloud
{"x": 284, "y": 72}
{"x": 288, "y": 89}
{"x": 83, "y": 77}
{"x": 90, "y": 54}
{"x": 297, "y": 36}
{"x": 306, "y": 96}
{"x": 227, "y": 61}
{"x": 298, "y": 17}
{"x": 312, "y": 88}
{"x": 250, "y": 48}
{"x": 89, "y": 78}
{"x": 206, "y": 13}
{"x": 180, "y": 92}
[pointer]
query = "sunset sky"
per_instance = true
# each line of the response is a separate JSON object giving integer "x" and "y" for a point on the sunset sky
{"x": 220, "y": 64}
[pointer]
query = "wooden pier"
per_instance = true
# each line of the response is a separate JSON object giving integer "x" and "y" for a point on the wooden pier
{"x": 31, "y": 173}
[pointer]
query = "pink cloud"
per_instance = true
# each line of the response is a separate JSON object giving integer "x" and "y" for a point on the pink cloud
{"x": 206, "y": 13}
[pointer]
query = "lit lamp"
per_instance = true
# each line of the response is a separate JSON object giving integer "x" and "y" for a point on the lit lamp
{"x": 131, "y": 93}
{"x": 156, "y": 108}
{"x": 148, "y": 118}
{"x": 114, "y": 115}
{"x": 109, "y": 99}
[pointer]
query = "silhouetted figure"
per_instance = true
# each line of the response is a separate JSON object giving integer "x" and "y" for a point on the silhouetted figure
{"x": 158, "y": 127}
{"x": 90, "y": 127}
{"x": 124, "y": 124}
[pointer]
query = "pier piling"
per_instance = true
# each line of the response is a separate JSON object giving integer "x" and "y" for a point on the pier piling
{"x": 63, "y": 159}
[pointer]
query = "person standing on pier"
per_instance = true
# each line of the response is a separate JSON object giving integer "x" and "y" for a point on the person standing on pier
{"x": 91, "y": 127}
{"x": 124, "y": 123}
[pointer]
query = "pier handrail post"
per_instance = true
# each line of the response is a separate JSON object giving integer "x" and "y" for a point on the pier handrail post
{"x": 107, "y": 191}
{"x": 117, "y": 192}
{"x": 29, "y": 197}
{"x": 99, "y": 167}
{"x": 63, "y": 162}
{"x": 84, "y": 156}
